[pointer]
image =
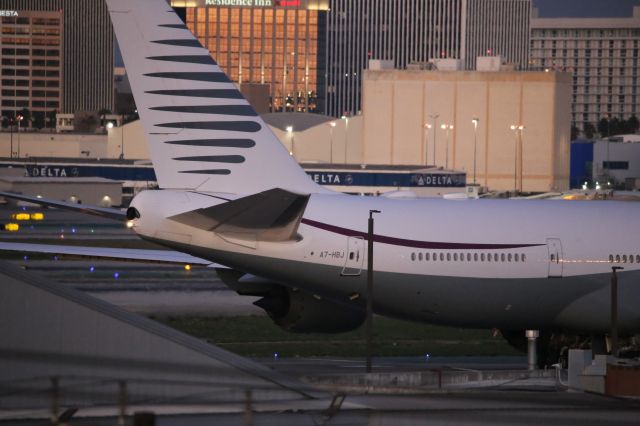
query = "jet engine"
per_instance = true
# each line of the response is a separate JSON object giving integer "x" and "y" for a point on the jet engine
{"x": 299, "y": 312}
{"x": 293, "y": 309}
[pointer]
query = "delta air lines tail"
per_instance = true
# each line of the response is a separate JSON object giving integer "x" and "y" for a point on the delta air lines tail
{"x": 202, "y": 134}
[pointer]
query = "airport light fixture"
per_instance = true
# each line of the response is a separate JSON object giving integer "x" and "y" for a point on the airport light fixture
{"x": 110, "y": 125}
{"x": 446, "y": 128}
{"x": 517, "y": 130}
{"x": 434, "y": 119}
{"x": 19, "y": 118}
{"x": 369, "y": 307}
{"x": 332, "y": 125}
{"x": 291, "y": 140}
{"x": 427, "y": 127}
{"x": 346, "y": 136}
{"x": 475, "y": 122}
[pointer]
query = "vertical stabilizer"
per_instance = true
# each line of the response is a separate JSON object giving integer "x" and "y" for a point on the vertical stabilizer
{"x": 202, "y": 133}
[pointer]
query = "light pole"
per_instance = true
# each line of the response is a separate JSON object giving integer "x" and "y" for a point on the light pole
{"x": 446, "y": 128}
{"x": 346, "y": 136}
{"x": 475, "y": 122}
{"x": 517, "y": 130}
{"x": 369, "y": 317}
{"x": 291, "y": 140}
{"x": 122, "y": 138}
{"x": 19, "y": 118}
{"x": 427, "y": 127}
{"x": 11, "y": 122}
{"x": 332, "y": 125}
{"x": 434, "y": 119}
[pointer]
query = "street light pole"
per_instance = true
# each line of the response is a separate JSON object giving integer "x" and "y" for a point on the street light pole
{"x": 427, "y": 126}
{"x": 291, "y": 140}
{"x": 475, "y": 122}
{"x": 369, "y": 318}
{"x": 446, "y": 128}
{"x": 332, "y": 125}
{"x": 614, "y": 310}
{"x": 517, "y": 131}
{"x": 434, "y": 118}
{"x": 19, "y": 118}
{"x": 346, "y": 136}
{"x": 11, "y": 121}
{"x": 122, "y": 138}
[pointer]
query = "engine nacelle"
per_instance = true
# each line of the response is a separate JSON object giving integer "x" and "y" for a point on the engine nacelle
{"x": 300, "y": 312}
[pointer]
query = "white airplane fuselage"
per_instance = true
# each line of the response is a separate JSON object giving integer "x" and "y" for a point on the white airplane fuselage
{"x": 508, "y": 264}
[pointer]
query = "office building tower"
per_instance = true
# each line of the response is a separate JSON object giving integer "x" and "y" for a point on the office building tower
{"x": 31, "y": 65}
{"x": 86, "y": 50}
{"x": 417, "y": 31}
{"x": 268, "y": 43}
{"x": 602, "y": 54}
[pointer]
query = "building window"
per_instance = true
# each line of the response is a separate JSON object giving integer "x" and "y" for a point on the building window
{"x": 615, "y": 165}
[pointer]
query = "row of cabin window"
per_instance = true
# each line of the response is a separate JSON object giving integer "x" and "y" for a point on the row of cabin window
{"x": 475, "y": 257}
{"x": 624, "y": 258}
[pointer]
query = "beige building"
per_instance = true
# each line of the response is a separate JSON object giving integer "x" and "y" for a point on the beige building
{"x": 406, "y": 114}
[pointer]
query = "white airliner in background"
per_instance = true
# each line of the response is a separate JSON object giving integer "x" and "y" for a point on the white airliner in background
{"x": 232, "y": 194}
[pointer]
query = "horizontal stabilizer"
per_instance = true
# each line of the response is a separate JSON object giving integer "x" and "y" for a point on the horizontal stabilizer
{"x": 273, "y": 215}
{"x": 109, "y": 213}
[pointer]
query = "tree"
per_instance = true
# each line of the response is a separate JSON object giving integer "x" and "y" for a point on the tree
{"x": 589, "y": 130}
{"x": 574, "y": 132}
{"x": 633, "y": 124}
{"x": 603, "y": 127}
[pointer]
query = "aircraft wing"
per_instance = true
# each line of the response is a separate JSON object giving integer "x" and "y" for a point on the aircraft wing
{"x": 109, "y": 213}
{"x": 163, "y": 256}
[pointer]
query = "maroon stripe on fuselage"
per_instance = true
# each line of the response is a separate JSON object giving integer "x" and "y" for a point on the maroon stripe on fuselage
{"x": 413, "y": 243}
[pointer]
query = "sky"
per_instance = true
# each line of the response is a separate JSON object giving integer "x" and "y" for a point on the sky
{"x": 585, "y": 8}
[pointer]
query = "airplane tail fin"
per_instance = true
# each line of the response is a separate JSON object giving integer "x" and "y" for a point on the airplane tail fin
{"x": 202, "y": 133}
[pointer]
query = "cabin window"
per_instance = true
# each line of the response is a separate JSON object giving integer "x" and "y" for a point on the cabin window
{"x": 441, "y": 257}
{"x": 523, "y": 257}
{"x": 502, "y": 257}
{"x": 435, "y": 257}
{"x": 475, "y": 257}
{"x": 637, "y": 258}
{"x": 495, "y": 257}
{"x": 426, "y": 256}
{"x": 455, "y": 256}
{"x": 630, "y": 258}
{"x": 419, "y": 256}
{"x": 468, "y": 257}
{"x": 617, "y": 258}
{"x": 509, "y": 257}
{"x": 624, "y": 258}
{"x": 482, "y": 257}
{"x": 352, "y": 255}
{"x": 553, "y": 257}
{"x": 516, "y": 257}
{"x": 448, "y": 257}
{"x": 610, "y": 258}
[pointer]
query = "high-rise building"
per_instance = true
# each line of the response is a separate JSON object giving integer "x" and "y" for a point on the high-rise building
{"x": 30, "y": 63}
{"x": 408, "y": 31}
{"x": 273, "y": 43}
{"x": 85, "y": 51}
{"x": 602, "y": 54}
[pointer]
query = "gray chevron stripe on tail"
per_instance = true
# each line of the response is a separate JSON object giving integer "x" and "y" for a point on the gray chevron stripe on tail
{"x": 237, "y": 126}
{"x": 222, "y": 143}
{"x": 245, "y": 110}
{"x": 214, "y": 158}
{"x": 200, "y": 93}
